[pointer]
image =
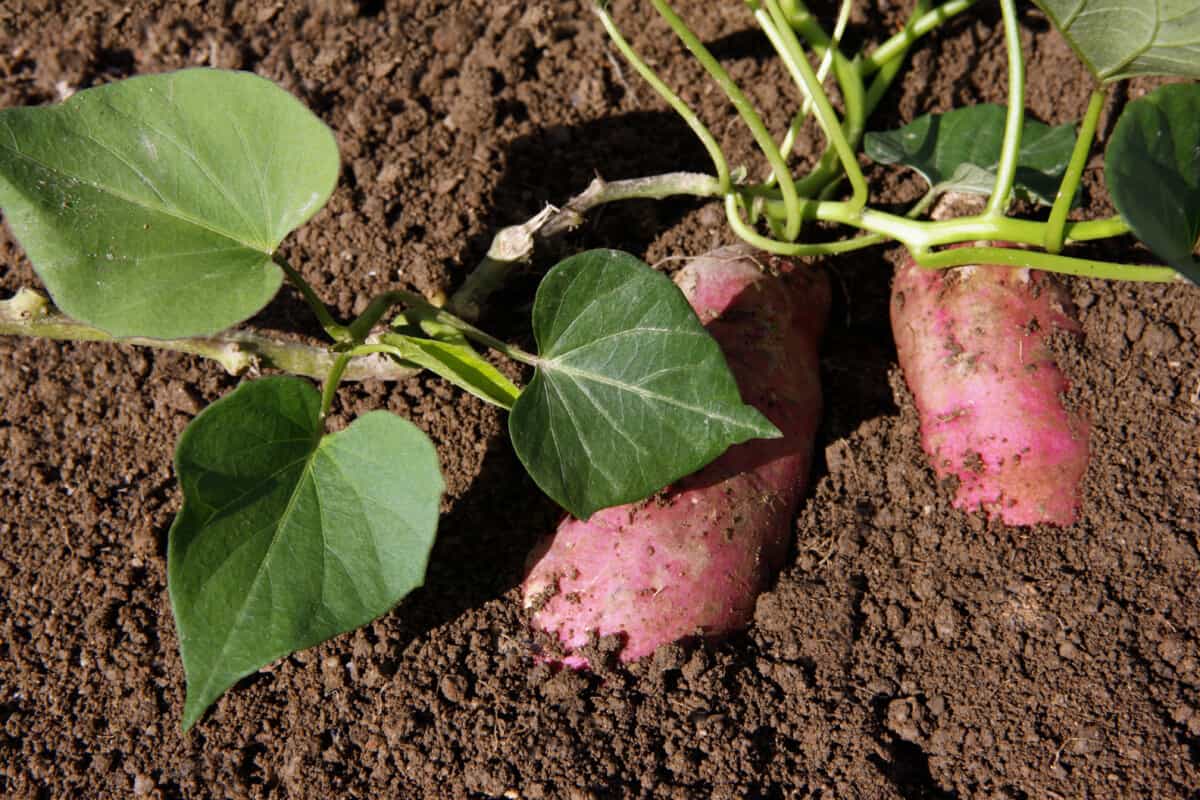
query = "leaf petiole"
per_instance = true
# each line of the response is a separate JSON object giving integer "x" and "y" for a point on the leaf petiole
{"x": 334, "y": 329}
{"x": 681, "y": 108}
{"x": 784, "y": 40}
{"x": 332, "y": 381}
{"x": 895, "y": 47}
{"x": 1014, "y": 122}
{"x": 1056, "y": 230}
{"x": 746, "y": 110}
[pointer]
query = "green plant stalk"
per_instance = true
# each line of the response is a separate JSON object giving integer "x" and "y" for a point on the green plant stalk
{"x": 859, "y": 106}
{"x": 1092, "y": 229}
{"x": 827, "y": 60}
{"x": 1056, "y": 225}
{"x": 332, "y": 381}
{"x": 1006, "y": 170}
{"x": 681, "y": 108}
{"x": 920, "y": 236}
{"x": 480, "y": 337}
{"x": 383, "y": 302}
{"x": 766, "y": 143}
{"x": 1048, "y": 262}
{"x": 29, "y": 313}
{"x": 898, "y": 45}
{"x": 785, "y": 42}
{"x": 334, "y": 329}
{"x": 794, "y": 249}
{"x": 801, "y": 249}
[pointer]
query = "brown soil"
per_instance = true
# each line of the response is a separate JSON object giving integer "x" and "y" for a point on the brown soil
{"x": 908, "y": 650}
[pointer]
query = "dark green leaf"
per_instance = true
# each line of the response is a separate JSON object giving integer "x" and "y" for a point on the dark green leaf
{"x": 287, "y": 538}
{"x": 959, "y": 151}
{"x": 151, "y": 207}
{"x": 1152, "y": 168}
{"x": 1123, "y": 38}
{"x": 630, "y": 391}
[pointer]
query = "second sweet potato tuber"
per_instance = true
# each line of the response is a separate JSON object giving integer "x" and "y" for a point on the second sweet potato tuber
{"x": 973, "y": 345}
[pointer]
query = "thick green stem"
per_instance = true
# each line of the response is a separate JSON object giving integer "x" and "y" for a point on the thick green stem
{"x": 29, "y": 313}
{"x": 794, "y": 249}
{"x": 919, "y": 236}
{"x": 1093, "y": 229}
{"x": 745, "y": 109}
{"x": 1056, "y": 230}
{"x": 1049, "y": 262}
{"x": 1006, "y": 170}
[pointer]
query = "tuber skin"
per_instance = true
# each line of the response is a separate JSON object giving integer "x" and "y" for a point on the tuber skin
{"x": 973, "y": 345}
{"x": 693, "y": 559}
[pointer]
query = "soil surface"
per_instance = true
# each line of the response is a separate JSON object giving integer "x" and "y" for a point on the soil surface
{"x": 907, "y": 651}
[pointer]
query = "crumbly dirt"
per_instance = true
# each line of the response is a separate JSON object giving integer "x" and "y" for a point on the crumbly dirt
{"x": 907, "y": 651}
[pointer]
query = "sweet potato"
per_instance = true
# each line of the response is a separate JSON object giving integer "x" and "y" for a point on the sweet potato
{"x": 973, "y": 345}
{"x": 692, "y": 559}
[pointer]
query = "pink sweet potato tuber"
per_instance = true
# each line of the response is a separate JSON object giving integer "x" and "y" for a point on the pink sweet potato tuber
{"x": 973, "y": 345}
{"x": 693, "y": 559}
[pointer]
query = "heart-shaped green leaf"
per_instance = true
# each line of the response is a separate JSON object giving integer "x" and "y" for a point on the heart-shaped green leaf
{"x": 287, "y": 538}
{"x": 1122, "y": 38}
{"x": 151, "y": 207}
{"x": 959, "y": 151}
{"x": 1152, "y": 168}
{"x": 630, "y": 391}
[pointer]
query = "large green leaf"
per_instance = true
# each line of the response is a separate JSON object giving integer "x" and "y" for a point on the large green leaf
{"x": 960, "y": 150}
{"x": 287, "y": 538}
{"x": 1121, "y": 38}
{"x": 630, "y": 391}
{"x": 150, "y": 207}
{"x": 1152, "y": 168}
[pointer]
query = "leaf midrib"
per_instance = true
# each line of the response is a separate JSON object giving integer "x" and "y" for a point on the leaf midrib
{"x": 554, "y": 365}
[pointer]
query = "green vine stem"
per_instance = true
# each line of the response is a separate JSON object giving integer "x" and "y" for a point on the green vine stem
{"x": 332, "y": 327}
{"x": 827, "y": 60}
{"x": 783, "y": 38}
{"x": 1049, "y": 262}
{"x": 767, "y": 144}
{"x": 681, "y": 108}
{"x": 385, "y": 301}
{"x": 1055, "y": 231}
{"x": 29, "y": 313}
{"x": 332, "y": 381}
{"x": 1006, "y": 170}
{"x": 898, "y": 45}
